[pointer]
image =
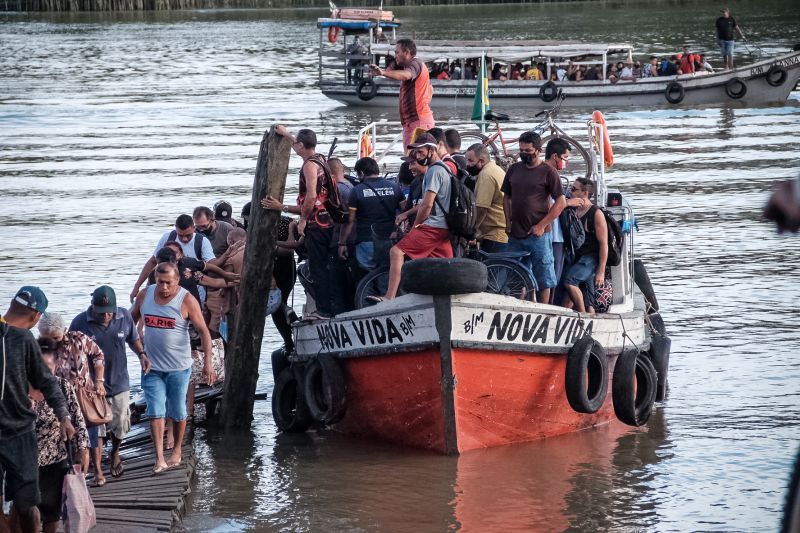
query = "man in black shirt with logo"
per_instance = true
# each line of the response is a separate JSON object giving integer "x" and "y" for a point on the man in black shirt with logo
{"x": 726, "y": 28}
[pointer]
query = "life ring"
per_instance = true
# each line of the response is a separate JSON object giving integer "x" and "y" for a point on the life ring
{"x": 586, "y": 376}
{"x": 371, "y": 89}
{"x": 289, "y": 407}
{"x": 365, "y": 146}
{"x": 672, "y": 87}
{"x": 730, "y": 88}
{"x": 659, "y": 356}
{"x": 608, "y": 153}
{"x": 444, "y": 276}
{"x": 324, "y": 389}
{"x": 333, "y": 35}
{"x": 633, "y": 389}
{"x": 549, "y": 91}
{"x": 780, "y": 72}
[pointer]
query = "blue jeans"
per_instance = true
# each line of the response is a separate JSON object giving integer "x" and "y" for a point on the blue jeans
{"x": 493, "y": 247}
{"x": 726, "y": 47}
{"x": 165, "y": 393}
{"x": 365, "y": 255}
{"x": 582, "y": 271}
{"x": 541, "y": 259}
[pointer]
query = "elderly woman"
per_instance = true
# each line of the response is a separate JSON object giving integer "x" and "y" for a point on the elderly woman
{"x": 80, "y": 361}
{"x": 53, "y": 464}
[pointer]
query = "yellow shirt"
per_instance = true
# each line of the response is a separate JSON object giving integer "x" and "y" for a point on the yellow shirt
{"x": 489, "y": 196}
{"x": 533, "y": 74}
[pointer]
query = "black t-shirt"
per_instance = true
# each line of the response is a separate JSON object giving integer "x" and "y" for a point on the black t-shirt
{"x": 376, "y": 201}
{"x": 725, "y": 28}
{"x": 187, "y": 267}
{"x": 414, "y": 192}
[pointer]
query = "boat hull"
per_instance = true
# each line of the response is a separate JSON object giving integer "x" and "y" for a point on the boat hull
{"x": 463, "y": 372}
{"x": 700, "y": 90}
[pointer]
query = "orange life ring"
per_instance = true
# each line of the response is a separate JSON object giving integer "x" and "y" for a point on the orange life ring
{"x": 608, "y": 153}
{"x": 365, "y": 149}
{"x": 333, "y": 35}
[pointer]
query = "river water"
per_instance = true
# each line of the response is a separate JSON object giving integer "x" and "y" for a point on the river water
{"x": 112, "y": 124}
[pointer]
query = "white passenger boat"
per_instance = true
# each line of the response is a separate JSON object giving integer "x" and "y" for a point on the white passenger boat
{"x": 343, "y": 73}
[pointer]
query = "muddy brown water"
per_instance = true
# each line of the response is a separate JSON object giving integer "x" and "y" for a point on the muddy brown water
{"x": 112, "y": 124}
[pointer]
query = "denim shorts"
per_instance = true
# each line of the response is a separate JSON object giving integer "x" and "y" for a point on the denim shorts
{"x": 582, "y": 271}
{"x": 726, "y": 47}
{"x": 541, "y": 259}
{"x": 165, "y": 393}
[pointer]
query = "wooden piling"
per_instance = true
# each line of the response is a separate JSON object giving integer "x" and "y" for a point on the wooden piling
{"x": 241, "y": 362}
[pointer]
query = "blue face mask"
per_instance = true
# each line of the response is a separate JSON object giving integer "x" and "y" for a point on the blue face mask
{"x": 406, "y": 190}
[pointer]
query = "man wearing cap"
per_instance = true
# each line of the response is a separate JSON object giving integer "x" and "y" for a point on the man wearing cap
{"x": 430, "y": 236}
{"x": 193, "y": 244}
{"x": 223, "y": 211}
{"x": 20, "y": 365}
{"x": 214, "y": 230}
{"x": 111, "y": 327}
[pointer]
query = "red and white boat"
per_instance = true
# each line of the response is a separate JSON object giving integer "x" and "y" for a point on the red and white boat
{"x": 456, "y": 372}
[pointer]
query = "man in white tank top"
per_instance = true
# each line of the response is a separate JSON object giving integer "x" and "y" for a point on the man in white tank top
{"x": 167, "y": 309}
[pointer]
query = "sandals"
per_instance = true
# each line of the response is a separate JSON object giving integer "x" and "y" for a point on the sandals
{"x": 117, "y": 469}
{"x": 375, "y": 299}
{"x": 99, "y": 482}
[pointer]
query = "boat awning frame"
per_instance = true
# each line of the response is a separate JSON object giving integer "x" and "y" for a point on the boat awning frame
{"x": 507, "y": 51}
{"x": 356, "y": 25}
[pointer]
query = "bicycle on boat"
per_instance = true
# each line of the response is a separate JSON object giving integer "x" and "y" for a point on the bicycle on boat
{"x": 506, "y": 154}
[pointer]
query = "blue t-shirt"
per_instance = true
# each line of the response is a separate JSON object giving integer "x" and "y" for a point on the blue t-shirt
{"x": 374, "y": 206}
{"x": 112, "y": 341}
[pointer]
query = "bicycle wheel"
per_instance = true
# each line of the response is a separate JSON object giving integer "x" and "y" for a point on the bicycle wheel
{"x": 578, "y": 166}
{"x": 510, "y": 279}
{"x": 374, "y": 283}
{"x": 472, "y": 137}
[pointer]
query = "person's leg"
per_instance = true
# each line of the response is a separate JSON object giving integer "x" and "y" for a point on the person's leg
{"x": 118, "y": 429}
{"x": 155, "y": 396}
{"x": 337, "y": 280}
{"x": 542, "y": 265}
{"x": 396, "y": 258}
{"x": 493, "y": 247}
{"x": 157, "y": 434}
{"x": 576, "y": 297}
{"x": 558, "y": 266}
{"x": 97, "y": 461}
{"x": 317, "y": 246}
{"x": 285, "y": 274}
{"x": 20, "y": 462}
{"x": 177, "y": 388}
{"x": 27, "y": 520}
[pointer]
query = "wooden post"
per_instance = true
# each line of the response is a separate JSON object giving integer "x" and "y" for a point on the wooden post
{"x": 241, "y": 361}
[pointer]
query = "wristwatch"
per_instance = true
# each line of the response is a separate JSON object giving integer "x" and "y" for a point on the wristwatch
{"x": 285, "y": 209}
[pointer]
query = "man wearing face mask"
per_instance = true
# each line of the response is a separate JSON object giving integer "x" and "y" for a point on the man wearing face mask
{"x": 193, "y": 244}
{"x": 430, "y": 236}
{"x": 214, "y": 230}
{"x": 557, "y": 156}
{"x": 491, "y": 221}
{"x": 533, "y": 199}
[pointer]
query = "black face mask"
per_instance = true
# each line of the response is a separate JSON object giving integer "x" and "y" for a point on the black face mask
{"x": 473, "y": 170}
{"x": 526, "y": 158}
{"x": 424, "y": 161}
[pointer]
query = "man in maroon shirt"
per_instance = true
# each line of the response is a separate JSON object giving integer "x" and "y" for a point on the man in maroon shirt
{"x": 415, "y": 88}
{"x": 529, "y": 187}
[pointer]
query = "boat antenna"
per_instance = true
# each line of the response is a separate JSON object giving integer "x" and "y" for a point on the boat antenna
{"x": 333, "y": 147}
{"x": 332, "y": 6}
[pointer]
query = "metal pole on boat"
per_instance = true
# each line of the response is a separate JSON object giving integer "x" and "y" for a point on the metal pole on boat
{"x": 244, "y": 350}
{"x": 484, "y": 92}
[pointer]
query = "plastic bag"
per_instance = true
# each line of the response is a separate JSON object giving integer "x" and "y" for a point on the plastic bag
{"x": 78, "y": 509}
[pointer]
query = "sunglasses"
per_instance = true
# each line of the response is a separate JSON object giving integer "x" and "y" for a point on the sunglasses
{"x": 574, "y": 189}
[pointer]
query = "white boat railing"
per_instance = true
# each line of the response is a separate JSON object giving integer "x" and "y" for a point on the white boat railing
{"x": 371, "y": 130}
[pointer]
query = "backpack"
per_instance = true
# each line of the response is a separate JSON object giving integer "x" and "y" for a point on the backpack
{"x": 198, "y": 242}
{"x": 333, "y": 202}
{"x": 571, "y": 227}
{"x": 462, "y": 213}
{"x": 616, "y": 239}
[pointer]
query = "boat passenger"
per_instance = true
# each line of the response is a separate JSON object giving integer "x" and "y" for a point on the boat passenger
{"x": 415, "y": 88}
{"x": 342, "y": 283}
{"x": 491, "y": 219}
{"x": 556, "y": 155}
{"x": 669, "y": 67}
{"x": 650, "y": 70}
{"x": 529, "y": 186}
{"x": 374, "y": 205}
{"x": 613, "y": 74}
{"x": 245, "y": 214}
{"x": 726, "y": 35}
{"x": 498, "y": 72}
{"x": 626, "y": 72}
{"x": 415, "y": 192}
{"x": 593, "y": 73}
{"x": 444, "y": 154}
{"x": 215, "y": 231}
{"x": 572, "y": 72}
{"x": 702, "y": 65}
{"x": 469, "y": 70}
{"x": 561, "y": 73}
{"x": 192, "y": 243}
{"x": 223, "y": 211}
{"x": 517, "y": 72}
{"x": 534, "y": 73}
{"x": 430, "y": 236}
{"x": 590, "y": 260}
{"x": 452, "y": 141}
{"x": 687, "y": 61}
{"x": 637, "y": 69}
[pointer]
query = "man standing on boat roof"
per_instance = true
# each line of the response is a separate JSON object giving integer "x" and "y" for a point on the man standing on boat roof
{"x": 726, "y": 35}
{"x": 529, "y": 187}
{"x": 415, "y": 88}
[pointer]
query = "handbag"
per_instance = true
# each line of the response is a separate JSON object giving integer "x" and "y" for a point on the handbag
{"x": 77, "y": 506}
{"x": 94, "y": 407}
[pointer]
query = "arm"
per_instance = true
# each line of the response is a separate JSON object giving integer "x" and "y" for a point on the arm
{"x": 345, "y": 233}
{"x": 95, "y": 355}
{"x": 392, "y": 73}
{"x": 425, "y": 206}
{"x": 552, "y": 214}
{"x": 214, "y": 269}
{"x": 40, "y": 377}
{"x": 215, "y": 283}
{"x": 81, "y": 435}
{"x": 191, "y": 308}
{"x": 146, "y": 269}
{"x": 507, "y": 210}
{"x": 481, "y": 215}
{"x": 310, "y": 172}
{"x": 136, "y": 316}
{"x": 601, "y": 231}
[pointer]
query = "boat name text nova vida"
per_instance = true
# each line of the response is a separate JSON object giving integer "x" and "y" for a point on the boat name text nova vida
{"x": 525, "y": 327}
{"x": 366, "y": 332}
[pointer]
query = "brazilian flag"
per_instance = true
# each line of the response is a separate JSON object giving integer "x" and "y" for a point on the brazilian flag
{"x": 481, "y": 103}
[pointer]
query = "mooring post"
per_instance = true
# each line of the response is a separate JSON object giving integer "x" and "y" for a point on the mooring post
{"x": 244, "y": 350}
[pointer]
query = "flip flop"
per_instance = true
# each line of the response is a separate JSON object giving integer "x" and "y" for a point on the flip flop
{"x": 99, "y": 482}
{"x": 160, "y": 469}
{"x": 376, "y": 299}
{"x": 117, "y": 469}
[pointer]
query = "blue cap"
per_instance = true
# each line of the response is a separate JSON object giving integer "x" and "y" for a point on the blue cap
{"x": 32, "y": 298}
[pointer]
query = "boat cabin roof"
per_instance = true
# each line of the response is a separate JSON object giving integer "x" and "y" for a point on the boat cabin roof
{"x": 355, "y": 25}
{"x": 506, "y": 50}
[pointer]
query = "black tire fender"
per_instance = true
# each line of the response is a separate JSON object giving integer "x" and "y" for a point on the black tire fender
{"x": 735, "y": 88}
{"x": 324, "y": 389}
{"x": 586, "y": 376}
{"x": 791, "y": 509}
{"x": 659, "y": 355}
{"x": 671, "y": 89}
{"x": 777, "y": 75}
{"x": 633, "y": 388}
{"x": 366, "y": 89}
{"x": 444, "y": 276}
{"x": 642, "y": 280}
{"x": 289, "y": 408}
{"x": 549, "y": 91}
{"x": 655, "y": 322}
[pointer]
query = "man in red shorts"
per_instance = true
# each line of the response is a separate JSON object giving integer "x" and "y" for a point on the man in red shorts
{"x": 415, "y": 88}
{"x": 430, "y": 236}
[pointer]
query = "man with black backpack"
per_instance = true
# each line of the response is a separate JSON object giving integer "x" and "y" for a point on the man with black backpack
{"x": 430, "y": 236}
{"x": 319, "y": 207}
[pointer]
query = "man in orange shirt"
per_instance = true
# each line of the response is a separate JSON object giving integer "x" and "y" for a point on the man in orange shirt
{"x": 415, "y": 88}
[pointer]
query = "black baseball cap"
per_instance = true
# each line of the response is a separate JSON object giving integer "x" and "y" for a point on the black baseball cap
{"x": 424, "y": 140}
{"x": 223, "y": 210}
{"x": 104, "y": 300}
